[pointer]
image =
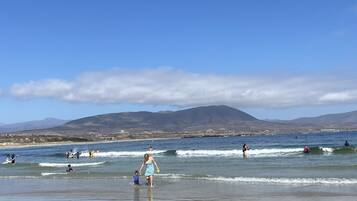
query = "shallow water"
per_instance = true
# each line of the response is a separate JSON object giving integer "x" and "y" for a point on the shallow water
{"x": 214, "y": 161}
{"x": 178, "y": 189}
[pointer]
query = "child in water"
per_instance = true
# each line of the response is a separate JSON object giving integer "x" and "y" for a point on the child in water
{"x": 136, "y": 178}
{"x": 69, "y": 168}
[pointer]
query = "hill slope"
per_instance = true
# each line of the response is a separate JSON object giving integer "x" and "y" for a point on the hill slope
{"x": 199, "y": 118}
{"x": 220, "y": 120}
{"x": 31, "y": 125}
{"x": 348, "y": 119}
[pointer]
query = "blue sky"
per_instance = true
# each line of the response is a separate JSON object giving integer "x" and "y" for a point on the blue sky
{"x": 273, "y": 59}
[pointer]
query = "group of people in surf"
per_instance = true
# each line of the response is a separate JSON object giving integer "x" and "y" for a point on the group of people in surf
{"x": 308, "y": 150}
{"x": 73, "y": 154}
{"x": 149, "y": 166}
{"x": 76, "y": 154}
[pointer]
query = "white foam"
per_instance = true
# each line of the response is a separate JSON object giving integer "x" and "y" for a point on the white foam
{"x": 113, "y": 154}
{"x": 72, "y": 164}
{"x": 173, "y": 176}
{"x": 52, "y": 173}
{"x": 267, "y": 152}
{"x": 19, "y": 177}
{"x": 236, "y": 152}
{"x": 327, "y": 149}
{"x": 332, "y": 181}
{"x": 266, "y": 180}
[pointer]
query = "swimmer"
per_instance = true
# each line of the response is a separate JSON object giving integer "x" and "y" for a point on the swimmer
{"x": 69, "y": 168}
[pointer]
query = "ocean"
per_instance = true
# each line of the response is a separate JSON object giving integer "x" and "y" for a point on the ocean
{"x": 207, "y": 168}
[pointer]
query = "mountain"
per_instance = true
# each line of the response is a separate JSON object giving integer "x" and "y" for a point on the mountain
{"x": 178, "y": 121}
{"x": 348, "y": 119}
{"x": 199, "y": 121}
{"x": 31, "y": 125}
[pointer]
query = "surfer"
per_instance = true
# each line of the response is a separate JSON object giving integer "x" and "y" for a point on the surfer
{"x": 69, "y": 168}
{"x": 13, "y": 160}
{"x": 347, "y": 144}
{"x": 306, "y": 149}
{"x": 136, "y": 178}
{"x": 150, "y": 165}
{"x": 77, "y": 154}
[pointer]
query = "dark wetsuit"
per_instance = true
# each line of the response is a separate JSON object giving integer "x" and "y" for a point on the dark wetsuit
{"x": 347, "y": 144}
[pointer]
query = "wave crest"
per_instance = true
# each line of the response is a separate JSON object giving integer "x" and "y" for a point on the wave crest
{"x": 264, "y": 180}
{"x": 72, "y": 164}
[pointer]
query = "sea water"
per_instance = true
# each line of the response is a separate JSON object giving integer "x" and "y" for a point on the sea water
{"x": 189, "y": 163}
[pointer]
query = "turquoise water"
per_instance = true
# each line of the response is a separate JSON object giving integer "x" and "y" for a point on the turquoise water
{"x": 271, "y": 159}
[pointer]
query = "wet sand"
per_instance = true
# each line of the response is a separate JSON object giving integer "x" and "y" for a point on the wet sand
{"x": 52, "y": 189}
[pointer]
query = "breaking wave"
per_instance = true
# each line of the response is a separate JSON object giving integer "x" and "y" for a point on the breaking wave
{"x": 266, "y": 180}
{"x": 266, "y": 152}
{"x": 52, "y": 173}
{"x": 113, "y": 154}
{"x": 72, "y": 164}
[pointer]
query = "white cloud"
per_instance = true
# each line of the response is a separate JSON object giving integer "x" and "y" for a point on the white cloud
{"x": 343, "y": 96}
{"x": 173, "y": 87}
{"x": 44, "y": 88}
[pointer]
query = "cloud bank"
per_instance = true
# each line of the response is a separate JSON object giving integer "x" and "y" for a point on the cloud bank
{"x": 182, "y": 89}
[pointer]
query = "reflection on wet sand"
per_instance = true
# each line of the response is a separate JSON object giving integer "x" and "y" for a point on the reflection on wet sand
{"x": 136, "y": 195}
{"x": 149, "y": 195}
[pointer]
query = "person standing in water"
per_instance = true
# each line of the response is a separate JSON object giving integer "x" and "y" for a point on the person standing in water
{"x": 244, "y": 149}
{"x": 347, "y": 144}
{"x": 150, "y": 165}
{"x": 150, "y": 150}
{"x": 306, "y": 149}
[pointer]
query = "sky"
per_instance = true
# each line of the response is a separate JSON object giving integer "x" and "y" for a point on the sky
{"x": 273, "y": 59}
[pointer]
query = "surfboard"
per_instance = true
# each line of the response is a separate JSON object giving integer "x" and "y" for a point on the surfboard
{"x": 7, "y": 162}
